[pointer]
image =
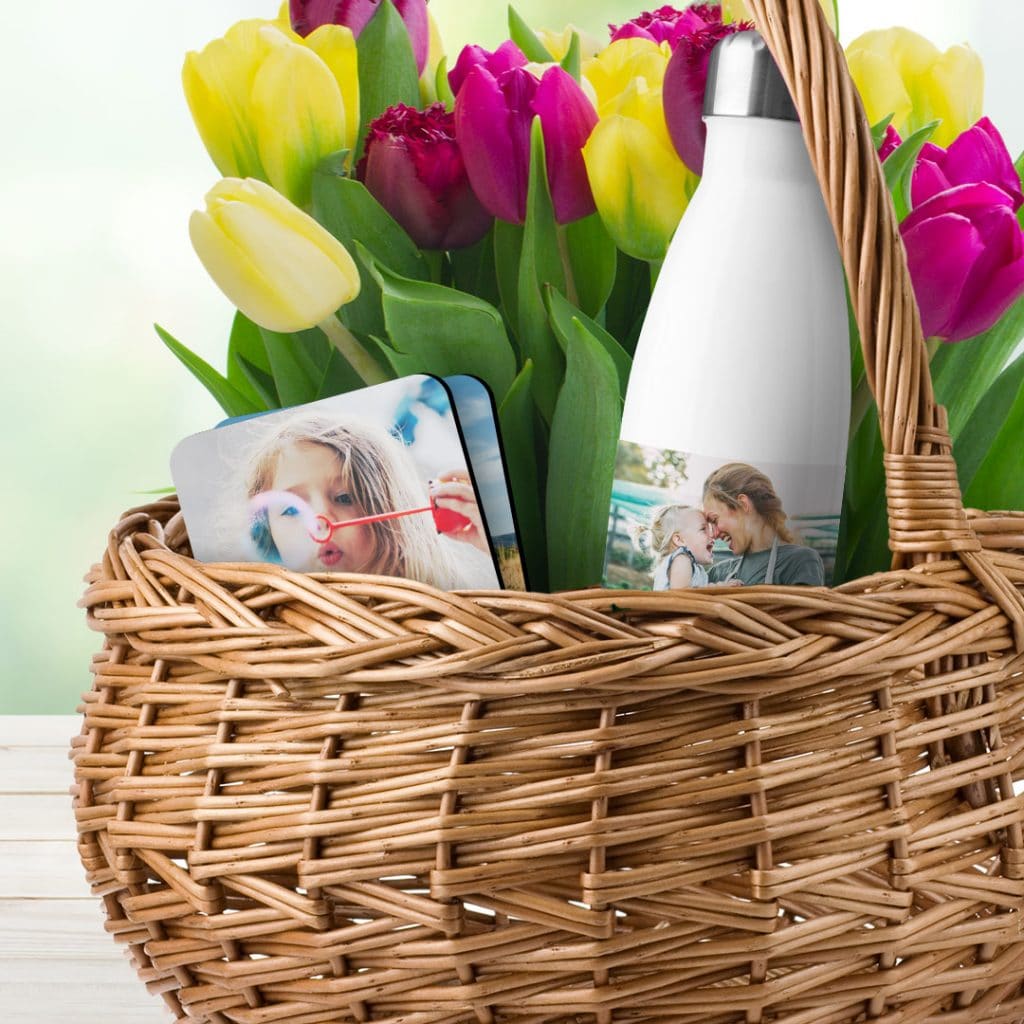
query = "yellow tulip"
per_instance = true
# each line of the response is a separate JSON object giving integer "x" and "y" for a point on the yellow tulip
{"x": 270, "y": 105}
{"x": 558, "y": 43}
{"x": 901, "y": 73}
{"x": 273, "y": 261}
{"x": 737, "y": 10}
{"x": 640, "y": 185}
{"x": 622, "y": 63}
{"x": 435, "y": 54}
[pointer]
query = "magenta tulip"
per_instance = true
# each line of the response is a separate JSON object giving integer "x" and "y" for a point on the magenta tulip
{"x": 668, "y": 25}
{"x": 891, "y": 141}
{"x": 414, "y": 168}
{"x": 978, "y": 154}
{"x": 307, "y": 15}
{"x": 504, "y": 58}
{"x": 493, "y": 118}
{"x": 686, "y": 79}
{"x": 965, "y": 249}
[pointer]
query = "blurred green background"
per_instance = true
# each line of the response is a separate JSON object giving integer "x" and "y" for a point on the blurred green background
{"x": 101, "y": 169}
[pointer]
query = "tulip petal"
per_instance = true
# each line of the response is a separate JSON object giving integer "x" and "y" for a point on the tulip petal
{"x": 683, "y": 93}
{"x": 639, "y": 185}
{"x": 980, "y": 154}
{"x": 928, "y": 180}
{"x": 940, "y": 254}
{"x": 621, "y": 63}
{"x": 504, "y": 58}
{"x": 274, "y": 262}
{"x": 335, "y": 45}
{"x": 997, "y": 278}
{"x": 492, "y": 125}
{"x": 880, "y": 86}
{"x": 568, "y": 118}
{"x": 952, "y": 90}
{"x": 299, "y": 116}
{"x": 218, "y": 83}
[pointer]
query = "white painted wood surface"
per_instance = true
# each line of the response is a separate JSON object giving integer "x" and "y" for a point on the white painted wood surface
{"x": 57, "y": 964}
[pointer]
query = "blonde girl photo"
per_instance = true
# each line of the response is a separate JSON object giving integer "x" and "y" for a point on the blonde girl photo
{"x": 330, "y": 494}
{"x": 682, "y": 547}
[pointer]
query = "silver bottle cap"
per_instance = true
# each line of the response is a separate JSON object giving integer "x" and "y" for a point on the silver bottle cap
{"x": 743, "y": 81}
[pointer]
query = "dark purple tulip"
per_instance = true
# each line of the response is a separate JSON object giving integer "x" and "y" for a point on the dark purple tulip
{"x": 504, "y": 58}
{"x": 978, "y": 154}
{"x": 493, "y": 118}
{"x": 307, "y": 15}
{"x": 965, "y": 250}
{"x": 686, "y": 79}
{"x": 414, "y": 168}
{"x": 667, "y": 24}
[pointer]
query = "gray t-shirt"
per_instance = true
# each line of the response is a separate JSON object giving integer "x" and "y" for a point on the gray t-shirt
{"x": 795, "y": 566}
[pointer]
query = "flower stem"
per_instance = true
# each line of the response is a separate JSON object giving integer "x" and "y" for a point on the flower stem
{"x": 357, "y": 357}
{"x": 563, "y": 251}
{"x": 862, "y": 399}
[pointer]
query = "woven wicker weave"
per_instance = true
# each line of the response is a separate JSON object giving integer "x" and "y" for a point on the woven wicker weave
{"x": 335, "y": 798}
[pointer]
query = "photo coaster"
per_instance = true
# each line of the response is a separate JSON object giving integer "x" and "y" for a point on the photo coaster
{"x": 377, "y": 481}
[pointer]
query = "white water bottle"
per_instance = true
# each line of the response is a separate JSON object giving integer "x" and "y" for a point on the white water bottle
{"x": 739, "y": 399}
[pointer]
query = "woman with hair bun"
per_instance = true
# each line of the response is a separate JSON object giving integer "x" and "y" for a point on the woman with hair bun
{"x": 743, "y": 510}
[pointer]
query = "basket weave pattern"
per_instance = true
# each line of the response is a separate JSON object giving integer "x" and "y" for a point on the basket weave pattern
{"x": 332, "y": 798}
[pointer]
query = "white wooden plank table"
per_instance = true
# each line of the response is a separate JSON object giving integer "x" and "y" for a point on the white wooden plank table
{"x": 57, "y": 964}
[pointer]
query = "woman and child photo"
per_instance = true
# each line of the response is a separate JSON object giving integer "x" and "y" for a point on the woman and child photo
{"x": 740, "y": 508}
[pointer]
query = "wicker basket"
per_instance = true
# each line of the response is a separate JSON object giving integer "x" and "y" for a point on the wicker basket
{"x": 334, "y": 798}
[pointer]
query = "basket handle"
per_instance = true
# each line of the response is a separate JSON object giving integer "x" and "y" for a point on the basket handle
{"x": 925, "y": 505}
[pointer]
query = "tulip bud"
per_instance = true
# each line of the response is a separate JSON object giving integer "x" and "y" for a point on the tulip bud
{"x": 270, "y": 105}
{"x": 901, "y": 73}
{"x": 496, "y": 63}
{"x": 558, "y": 43}
{"x": 414, "y": 168}
{"x": 307, "y": 15}
{"x": 493, "y": 119}
{"x": 686, "y": 80}
{"x": 965, "y": 247}
{"x": 273, "y": 261}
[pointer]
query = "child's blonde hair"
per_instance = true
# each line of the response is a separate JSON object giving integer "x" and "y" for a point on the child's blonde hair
{"x": 380, "y": 475}
{"x": 666, "y": 521}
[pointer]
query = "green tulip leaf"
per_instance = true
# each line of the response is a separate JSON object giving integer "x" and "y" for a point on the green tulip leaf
{"x": 439, "y": 330}
{"x": 517, "y": 418}
{"x": 631, "y": 293}
{"x": 348, "y": 211}
{"x": 899, "y": 167}
{"x": 991, "y": 443}
{"x": 963, "y": 373}
{"x": 296, "y": 376}
{"x": 540, "y": 265}
{"x": 508, "y": 254}
{"x": 387, "y": 69}
{"x": 567, "y": 319}
{"x": 233, "y": 401}
{"x": 526, "y": 39}
{"x": 442, "y": 87}
{"x": 473, "y": 270}
{"x": 572, "y": 62}
{"x": 593, "y": 258}
{"x": 248, "y": 365}
{"x": 587, "y": 418}
{"x": 1019, "y": 168}
{"x": 261, "y": 382}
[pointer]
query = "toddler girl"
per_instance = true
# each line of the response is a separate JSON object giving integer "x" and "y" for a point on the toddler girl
{"x": 313, "y": 474}
{"x": 683, "y": 547}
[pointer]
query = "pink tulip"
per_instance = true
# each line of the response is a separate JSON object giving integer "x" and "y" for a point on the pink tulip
{"x": 667, "y": 24}
{"x": 965, "y": 249}
{"x": 504, "y": 58}
{"x": 307, "y": 15}
{"x": 891, "y": 141}
{"x": 414, "y": 168}
{"x": 686, "y": 79}
{"x": 493, "y": 118}
{"x": 978, "y": 154}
